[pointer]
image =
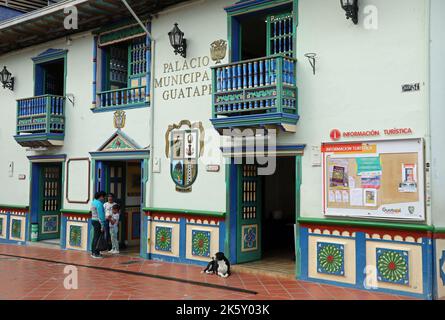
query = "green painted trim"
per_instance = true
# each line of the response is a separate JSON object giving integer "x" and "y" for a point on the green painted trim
{"x": 269, "y": 4}
{"x": 65, "y": 74}
{"x": 439, "y": 230}
{"x": 187, "y": 212}
{"x": 366, "y": 224}
{"x": 298, "y": 183}
{"x": 124, "y": 107}
{"x": 13, "y": 206}
{"x": 82, "y": 212}
{"x": 145, "y": 179}
{"x": 63, "y": 55}
{"x": 276, "y": 118}
{"x": 257, "y": 254}
{"x": 227, "y": 235}
{"x": 39, "y": 137}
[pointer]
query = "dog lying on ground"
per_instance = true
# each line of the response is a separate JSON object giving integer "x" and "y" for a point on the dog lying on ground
{"x": 219, "y": 265}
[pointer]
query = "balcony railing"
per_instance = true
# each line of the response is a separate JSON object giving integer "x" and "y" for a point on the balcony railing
{"x": 122, "y": 98}
{"x": 41, "y": 120}
{"x": 255, "y": 93}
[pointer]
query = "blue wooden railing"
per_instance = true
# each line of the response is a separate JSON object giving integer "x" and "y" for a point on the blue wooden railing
{"x": 127, "y": 97}
{"x": 265, "y": 85}
{"x": 42, "y": 114}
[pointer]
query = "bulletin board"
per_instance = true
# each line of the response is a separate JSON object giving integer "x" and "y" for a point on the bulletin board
{"x": 374, "y": 179}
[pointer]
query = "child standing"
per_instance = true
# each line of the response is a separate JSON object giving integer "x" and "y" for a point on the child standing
{"x": 114, "y": 228}
{"x": 108, "y": 206}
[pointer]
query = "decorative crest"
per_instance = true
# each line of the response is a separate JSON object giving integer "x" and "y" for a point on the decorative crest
{"x": 218, "y": 50}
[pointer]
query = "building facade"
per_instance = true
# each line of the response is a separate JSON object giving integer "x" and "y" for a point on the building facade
{"x": 350, "y": 114}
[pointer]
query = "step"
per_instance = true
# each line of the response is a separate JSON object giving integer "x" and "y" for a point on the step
{"x": 48, "y": 244}
{"x": 262, "y": 272}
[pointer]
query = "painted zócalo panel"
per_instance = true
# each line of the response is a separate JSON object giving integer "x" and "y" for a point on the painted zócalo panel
{"x": 391, "y": 261}
{"x": 14, "y": 225}
{"x": 183, "y": 238}
{"x": 76, "y": 230}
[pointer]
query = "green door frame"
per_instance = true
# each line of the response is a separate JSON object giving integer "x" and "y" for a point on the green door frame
{"x": 249, "y": 212}
{"x": 36, "y": 163}
{"x": 44, "y": 197}
{"x": 123, "y": 156}
{"x": 232, "y": 192}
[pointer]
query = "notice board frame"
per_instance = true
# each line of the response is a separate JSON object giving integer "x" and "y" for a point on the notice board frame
{"x": 392, "y": 150}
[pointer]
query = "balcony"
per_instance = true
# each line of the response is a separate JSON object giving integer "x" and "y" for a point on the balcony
{"x": 122, "y": 99}
{"x": 41, "y": 121}
{"x": 256, "y": 93}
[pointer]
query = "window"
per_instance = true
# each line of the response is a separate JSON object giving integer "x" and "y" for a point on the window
{"x": 50, "y": 73}
{"x": 274, "y": 30}
{"x": 124, "y": 70}
{"x": 126, "y": 65}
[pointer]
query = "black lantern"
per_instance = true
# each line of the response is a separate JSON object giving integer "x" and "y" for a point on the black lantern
{"x": 177, "y": 41}
{"x": 351, "y": 8}
{"x": 6, "y": 79}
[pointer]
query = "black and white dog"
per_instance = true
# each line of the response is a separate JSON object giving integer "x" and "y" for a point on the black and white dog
{"x": 219, "y": 265}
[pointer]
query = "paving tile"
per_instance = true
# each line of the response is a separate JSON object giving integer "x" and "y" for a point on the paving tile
{"x": 37, "y": 280}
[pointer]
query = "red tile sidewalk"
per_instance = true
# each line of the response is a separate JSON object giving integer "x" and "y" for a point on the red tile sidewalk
{"x": 38, "y": 280}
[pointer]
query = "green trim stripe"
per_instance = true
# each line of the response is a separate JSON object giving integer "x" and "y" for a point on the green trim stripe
{"x": 187, "y": 212}
{"x": 439, "y": 230}
{"x": 367, "y": 224}
{"x": 14, "y": 206}
{"x": 82, "y": 212}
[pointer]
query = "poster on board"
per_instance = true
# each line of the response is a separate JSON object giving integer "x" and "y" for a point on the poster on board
{"x": 374, "y": 179}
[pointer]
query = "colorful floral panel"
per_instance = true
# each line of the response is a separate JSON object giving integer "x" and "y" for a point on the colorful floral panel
{"x": 201, "y": 243}
{"x": 393, "y": 266}
{"x": 16, "y": 228}
{"x": 163, "y": 239}
{"x": 75, "y": 234}
{"x": 331, "y": 258}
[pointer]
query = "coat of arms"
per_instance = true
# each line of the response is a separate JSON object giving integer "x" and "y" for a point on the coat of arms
{"x": 119, "y": 119}
{"x": 218, "y": 50}
{"x": 184, "y": 146}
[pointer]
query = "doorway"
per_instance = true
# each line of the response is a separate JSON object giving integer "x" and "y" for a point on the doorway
{"x": 46, "y": 202}
{"x": 50, "y": 78}
{"x": 266, "y": 217}
{"x": 279, "y": 217}
{"x": 124, "y": 180}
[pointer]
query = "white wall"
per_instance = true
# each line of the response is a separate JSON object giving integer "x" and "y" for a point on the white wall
{"x": 357, "y": 86}
{"x": 85, "y": 131}
{"x": 437, "y": 101}
{"x": 202, "y": 22}
{"x": 359, "y": 77}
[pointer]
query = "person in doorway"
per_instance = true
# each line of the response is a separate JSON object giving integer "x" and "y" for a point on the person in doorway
{"x": 97, "y": 221}
{"x": 108, "y": 207}
{"x": 114, "y": 228}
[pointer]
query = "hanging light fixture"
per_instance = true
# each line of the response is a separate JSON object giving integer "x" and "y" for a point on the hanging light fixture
{"x": 351, "y": 8}
{"x": 177, "y": 41}
{"x": 6, "y": 79}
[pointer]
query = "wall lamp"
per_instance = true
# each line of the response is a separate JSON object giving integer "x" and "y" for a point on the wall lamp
{"x": 351, "y": 8}
{"x": 177, "y": 41}
{"x": 6, "y": 79}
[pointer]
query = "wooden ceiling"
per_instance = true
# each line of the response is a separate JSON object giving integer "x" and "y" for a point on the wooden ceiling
{"x": 48, "y": 23}
{"x": 25, "y": 5}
